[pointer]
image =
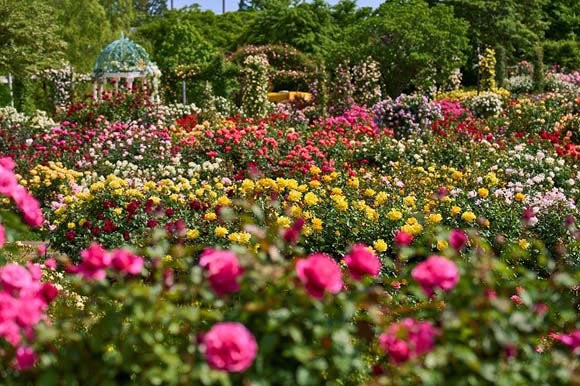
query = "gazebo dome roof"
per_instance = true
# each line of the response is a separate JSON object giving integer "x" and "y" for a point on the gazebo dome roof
{"x": 122, "y": 57}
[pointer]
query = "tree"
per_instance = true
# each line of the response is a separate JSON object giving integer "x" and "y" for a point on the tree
{"x": 416, "y": 45}
{"x": 121, "y": 14}
{"x": 29, "y": 39}
{"x": 518, "y": 25}
{"x": 86, "y": 29}
{"x": 150, "y": 7}
{"x": 308, "y": 27}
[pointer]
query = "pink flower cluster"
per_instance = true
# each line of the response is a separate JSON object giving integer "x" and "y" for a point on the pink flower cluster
{"x": 223, "y": 270}
{"x": 408, "y": 339}
{"x": 96, "y": 261}
{"x": 9, "y": 187}
{"x": 436, "y": 272}
{"x": 571, "y": 340}
{"x": 24, "y": 300}
{"x": 230, "y": 347}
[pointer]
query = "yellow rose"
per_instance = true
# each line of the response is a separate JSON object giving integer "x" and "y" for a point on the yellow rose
{"x": 468, "y": 216}
{"x": 294, "y": 196}
{"x": 483, "y": 192}
{"x": 520, "y": 196}
{"x": 311, "y": 199}
{"x": 455, "y": 210}
{"x": 523, "y": 243}
{"x": 192, "y": 234}
{"x": 435, "y": 218}
{"x": 317, "y": 224}
{"x": 442, "y": 244}
{"x": 220, "y": 231}
{"x": 394, "y": 215}
{"x": 380, "y": 245}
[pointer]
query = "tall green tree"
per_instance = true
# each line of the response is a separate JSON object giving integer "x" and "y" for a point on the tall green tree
{"x": 86, "y": 28}
{"x": 308, "y": 26}
{"x": 150, "y": 7}
{"x": 417, "y": 46}
{"x": 121, "y": 14}
{"x": 29, "y": 38}
{"x": 517, "y": 25}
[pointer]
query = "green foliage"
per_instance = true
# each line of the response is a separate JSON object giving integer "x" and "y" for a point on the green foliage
{"x": 563, "y": 52}
{"x": 308, "y": 27}
{"x": 28, "y": 36}
{"x": 515, "y": 24}
{"x": 538, "y": 74}
{"x": 500, "y": 66}
{"x": 86, "y": 29}
{"x": 416, "y": 45}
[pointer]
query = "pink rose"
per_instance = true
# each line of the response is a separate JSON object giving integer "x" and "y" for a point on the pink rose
{"x": 29, "y": 206}
{"x": 126, "y": 262}
{"x": 8, "y": 182}
{"x": 95, "y": 261}
{"x": 571, "y": 340}
{"x": 361, "y": 261}
{"x": 14, "y": 277}
{"x": 2, "y": 236}
{"x": 403, "y": 238}
{"x": 25, "y": 358}
{"x": 436, "y": 272}
{"x": 319, "y": 273}
{"x": 229, "y": 346}
{"x": 223, "y": 270}
{"x": 408, "y": 339}
{"x": 457, "y": 239}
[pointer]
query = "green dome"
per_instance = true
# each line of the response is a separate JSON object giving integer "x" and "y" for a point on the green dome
{"x": 124, "y": 56}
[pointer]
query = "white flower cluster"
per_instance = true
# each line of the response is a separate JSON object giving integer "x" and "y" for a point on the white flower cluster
{"x": 486, "y": 104}
{"x": 367, "y": 78}
{"x": 255, "y": 86}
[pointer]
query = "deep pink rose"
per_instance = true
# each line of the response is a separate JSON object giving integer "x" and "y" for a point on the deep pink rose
{"x": 571, "y": 340}
{"x": 15, "y": 277}
{"x": 223, "y": 270}
{"x": 436, "y": 272}
{"x": 25, "y": 358}
{"x": 361, "y": 261}
{"x": 457, "y": 239}
{"x": 403, "y": 238}
{"x": 229, "y": 346}
{"x": 126, "y": 262}
{"x": 95, "y": 261}
{"x": 319, "y": 273}
{"x": 408, "y": 339}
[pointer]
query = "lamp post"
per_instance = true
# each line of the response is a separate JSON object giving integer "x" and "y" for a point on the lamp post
{"x": 223, "y": 6}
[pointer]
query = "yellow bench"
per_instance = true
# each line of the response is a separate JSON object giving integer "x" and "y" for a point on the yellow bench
{"x": 288, "y": 96}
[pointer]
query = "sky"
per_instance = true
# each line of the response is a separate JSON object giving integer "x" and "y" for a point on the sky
{"x": 232, "y": 5}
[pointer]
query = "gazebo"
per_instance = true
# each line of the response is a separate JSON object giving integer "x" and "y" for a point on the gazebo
{"x": 126, "y": 60}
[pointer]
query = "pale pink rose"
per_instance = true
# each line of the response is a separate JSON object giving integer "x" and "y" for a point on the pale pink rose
{"x": 230, "y": 347}
{"x": 408, "y": 339}
{"x": 436, "y": 272}
{"x": 25, "y": 358}
{"x": 361, "y": 262}
{"x": 457, "y": 239}
{"x": 14, "y": 277}
{"x": 319, "y": 273}
{"x": 95, "y": 261}
{"x": 223, "y": 270}
{"x": 126, "y": 262}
